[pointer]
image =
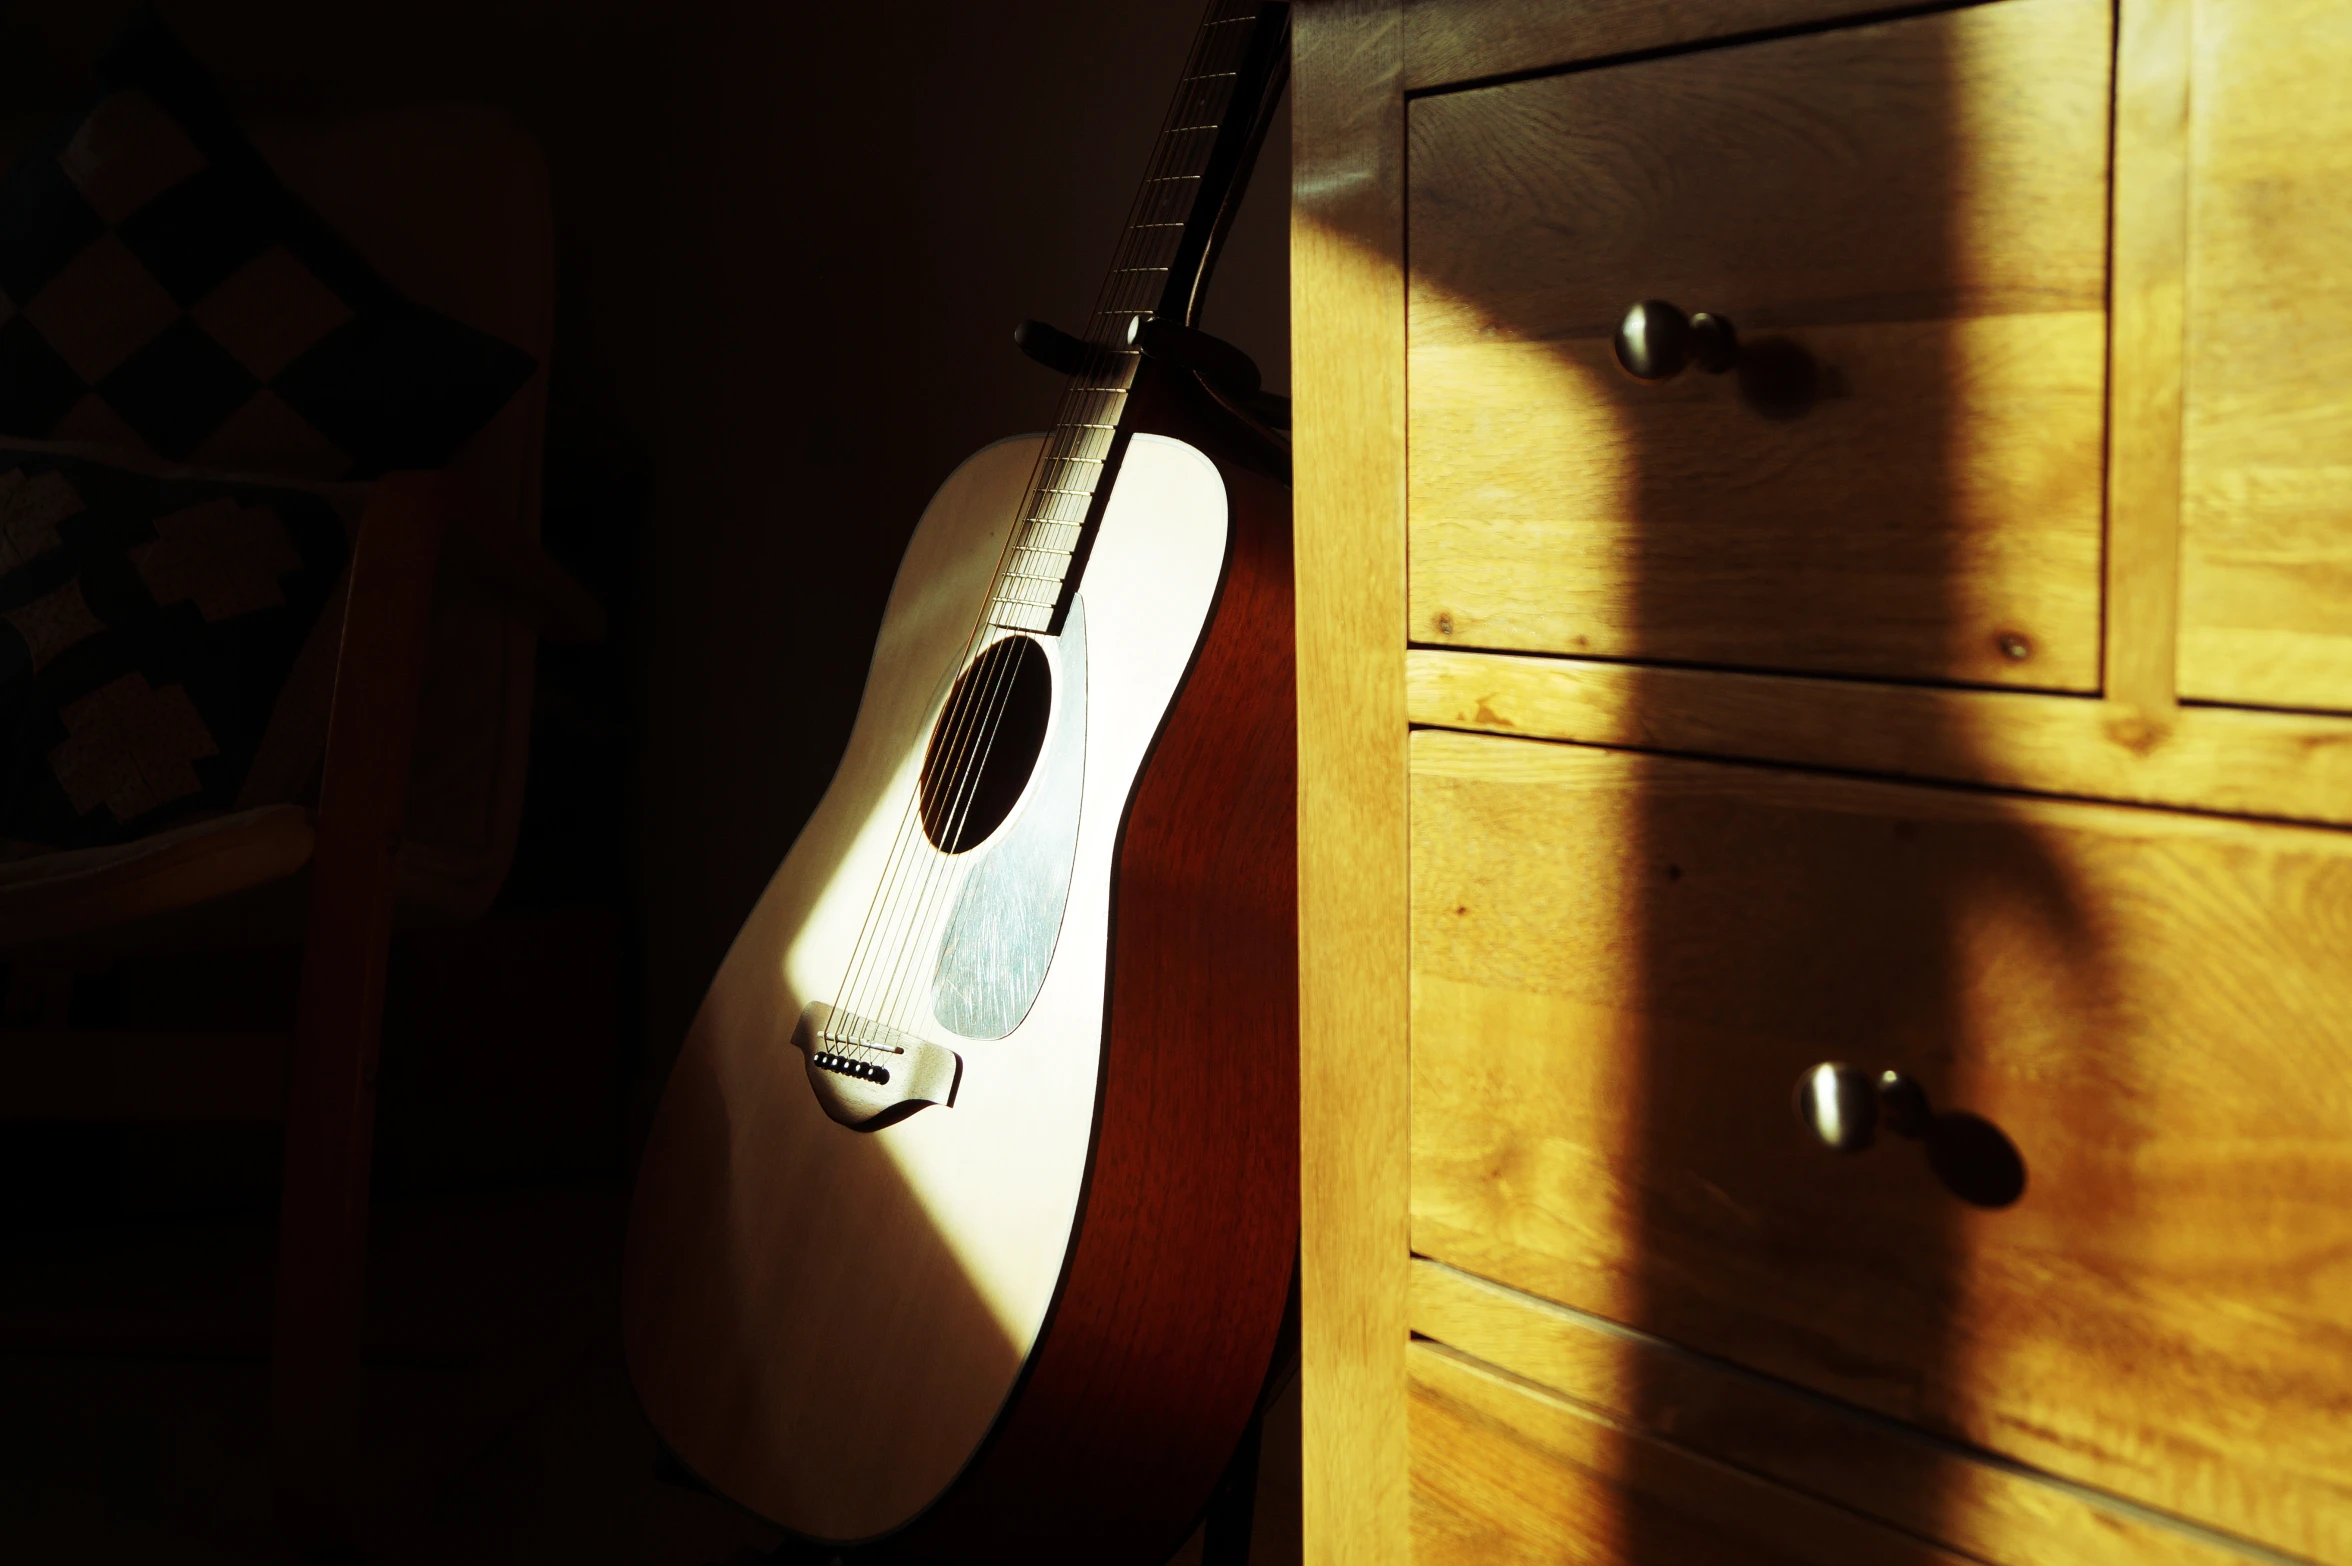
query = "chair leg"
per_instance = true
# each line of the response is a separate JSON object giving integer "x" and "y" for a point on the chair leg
{"x": 322, "y": 1234}
{"x": 331, "y": 1081}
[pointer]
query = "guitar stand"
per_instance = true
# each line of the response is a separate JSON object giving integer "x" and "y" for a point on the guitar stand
{"x": 1229, "y": 374}
{"x": 1232, "y": 1512}
{"x": 1233, "y": 1505}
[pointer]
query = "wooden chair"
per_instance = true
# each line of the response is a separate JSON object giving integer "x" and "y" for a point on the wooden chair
{"x": 418, "y": 801}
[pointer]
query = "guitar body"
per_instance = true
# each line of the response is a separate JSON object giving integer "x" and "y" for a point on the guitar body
{"x": 1026, "y": 1311}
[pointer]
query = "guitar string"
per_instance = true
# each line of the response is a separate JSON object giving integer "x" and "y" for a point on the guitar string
{"x": 973, "y": 718}
{"x": 965, "y": 761}
{"x": 1100, "y": 408}
{"x": 1145, "y": 252}
{"x": 1097, "y": 399}
{"x": 1099, "y": 396}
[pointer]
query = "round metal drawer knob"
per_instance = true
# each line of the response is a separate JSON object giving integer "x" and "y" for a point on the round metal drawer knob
{"x": 1656, "y": 341}
{"x": 1845, "y": 1107}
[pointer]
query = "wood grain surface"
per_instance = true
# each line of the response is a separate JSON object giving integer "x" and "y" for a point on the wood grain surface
{"x": 1908, "y": 223}
{"x": 1505, "y": 1471}
{"x": 1347, "y": 367}
{"x": 2144, "y": 417}
{"x": 1622, "y": 964}
{"x": 2286, "y": 766}
{"x": 2266, "y": 519}
{"x": 1449, "y": 41}
{"x": 1991, "y": 1512}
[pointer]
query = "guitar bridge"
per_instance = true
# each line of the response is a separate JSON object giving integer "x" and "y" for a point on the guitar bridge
{"x": 867, "y": 1074}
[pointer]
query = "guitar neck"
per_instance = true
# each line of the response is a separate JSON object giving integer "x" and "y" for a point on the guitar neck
{"x": 1191, "y": 188}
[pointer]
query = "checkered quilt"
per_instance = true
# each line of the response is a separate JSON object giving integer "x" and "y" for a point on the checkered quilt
{"x": 161, "y": 293}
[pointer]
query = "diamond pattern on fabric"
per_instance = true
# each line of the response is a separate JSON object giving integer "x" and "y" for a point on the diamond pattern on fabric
{"x": 31, "y": 506}
{"x": 128, "y": 152}
{"x": 178, "y": 389}
{"x": 194, "y": 235}
{"x": 224, "y": 557}
{"x": 266, "y": 435}
{"x": 131, "y": 748}
{"x": 152, "y": 262}
{"x": 270, "y": 312}
{"x": 101, "y": 308}
{"x": 92, "y": 421}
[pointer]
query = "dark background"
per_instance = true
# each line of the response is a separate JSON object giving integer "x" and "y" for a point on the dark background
{"x": 792, "y": 242}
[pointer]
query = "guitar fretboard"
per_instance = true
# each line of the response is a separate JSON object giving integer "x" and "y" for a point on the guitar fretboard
{"x": 1051, "y": 534}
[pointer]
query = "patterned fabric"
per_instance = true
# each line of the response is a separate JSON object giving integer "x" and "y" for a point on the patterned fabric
{"x": 161, "y": 293}
{"x": 151, "y": 624}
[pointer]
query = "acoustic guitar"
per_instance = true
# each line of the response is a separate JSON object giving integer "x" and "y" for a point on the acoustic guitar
{"x": 968, "y": 1218}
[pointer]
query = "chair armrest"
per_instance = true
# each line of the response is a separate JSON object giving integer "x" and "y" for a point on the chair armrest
{"x": 379, "y": 662}
{"x": 55, "y": 897}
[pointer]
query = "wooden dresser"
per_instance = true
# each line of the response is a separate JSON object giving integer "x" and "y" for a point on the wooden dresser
{"x": 1945, "y": 704}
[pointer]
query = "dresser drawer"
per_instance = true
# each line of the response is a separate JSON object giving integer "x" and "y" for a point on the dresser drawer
{"x": 1902, "y": 478}
{"x": 1622, "y": 965}
{"x": 1448, "y": 41}
{"x": 1505, "y": 1471}
{"x": 1654, "y": 1393}
{"x": 2266, "y": 504}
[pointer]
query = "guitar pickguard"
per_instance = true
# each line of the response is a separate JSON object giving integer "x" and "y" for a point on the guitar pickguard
{"x": 1000, "y": 935}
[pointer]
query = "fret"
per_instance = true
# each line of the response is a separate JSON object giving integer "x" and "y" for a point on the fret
{"x": 1051, "y": 532}
{"x": 1019, "y": 619}
{"x": 1066, "y": 511}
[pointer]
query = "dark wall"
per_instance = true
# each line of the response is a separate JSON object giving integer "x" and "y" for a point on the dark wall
{"x": 792, "y": 243}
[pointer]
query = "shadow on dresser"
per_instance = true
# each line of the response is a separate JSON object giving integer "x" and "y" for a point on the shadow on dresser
{"x": 1889, "y": 470}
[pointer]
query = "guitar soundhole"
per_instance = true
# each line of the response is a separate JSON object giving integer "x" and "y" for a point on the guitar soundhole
{"x": 986, "y": 744}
